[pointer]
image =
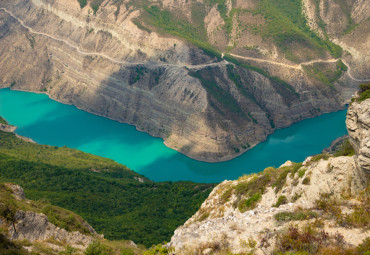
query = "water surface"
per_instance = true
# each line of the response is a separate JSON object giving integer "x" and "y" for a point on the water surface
{"x": 49, "y": 122}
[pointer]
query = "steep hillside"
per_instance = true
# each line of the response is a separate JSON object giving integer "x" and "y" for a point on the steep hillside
{"x": 37, "y": 227}
{"x": 158, "y": 64}
{"x": 320, "y": 206}
{"x": 116, "y": 201}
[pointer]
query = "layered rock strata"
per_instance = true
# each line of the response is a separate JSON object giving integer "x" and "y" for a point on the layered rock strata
{"x": 206, "y": 108}
{"x": 358, "y": 126}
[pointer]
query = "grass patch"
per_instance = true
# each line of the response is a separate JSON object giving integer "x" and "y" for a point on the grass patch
{"x": 8, "y": 247}
{"x": 318, "y": 157}
{"x": 345, "y": 149}
{"x": 310, "y": 240}
{"x": 326, "y": 75}
{"x": 250, "y": 189}
{"x": 83, "y": 3}
{"x": 285, "y": 23}
{"x": 364, "y": 93}
{"x": 95, "y": 4}
{"x": 281, "y": 201}
{"x": 297, "y": 215}
{"x": 306, "y": 181}
{"x": 250, "y": 203}
{"x": 301, "y": 172}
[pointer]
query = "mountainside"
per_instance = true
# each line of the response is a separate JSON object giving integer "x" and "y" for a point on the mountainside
{"x": 116, "y": 201}
{"x": 320, "y": 206}
{"x": 37, "y": 227}
{"x": 211, "y": 77}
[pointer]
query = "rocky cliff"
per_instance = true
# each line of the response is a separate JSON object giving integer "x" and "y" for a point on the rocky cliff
{"x": 266, "y": 213}
{"x": 22, "y": 222}
{"x": 358, "y": 125}
{"x": 157, "y": 64}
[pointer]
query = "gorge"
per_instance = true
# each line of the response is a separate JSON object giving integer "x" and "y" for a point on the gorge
{"x": 49, "y": 122}
{"x": 212, "y": 84}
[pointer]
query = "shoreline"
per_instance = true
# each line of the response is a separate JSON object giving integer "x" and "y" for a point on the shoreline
{"x": 224, "y": 159}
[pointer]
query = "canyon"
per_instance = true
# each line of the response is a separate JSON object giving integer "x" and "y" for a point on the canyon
{"x": 119, "y": 62}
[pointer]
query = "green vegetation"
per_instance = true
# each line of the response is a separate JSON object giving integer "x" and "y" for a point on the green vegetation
{"x": 103, "y": 192}
{"x": 3, "y": 121}
{"x": 359, "y": 217}
{"x": 158, "y": 250}
{"x": 96, "y": 248}
{"x": 301, "y": 172}
{"x": 284, "y": 88}
{"x": 83, "y": 3}
{"x": 234, "y": 76}
{"x": 281, "y": 201}
{"x": 318, "y": 157}
{"x": 364, "y": 93}
{"x": 297, "y": 215}
{"x": 95, "y": 4}
{"x": 58, "y": 216}
{"x": 250, "y": 203}
{"x": 345, "y": 149}
{"x": 325, "y": 74}
{"x": 286, "y": 24}
{"x": 306, "y": 180}
{"x": 310, "y": 240}
{"x": 174, "y": 24}
{"x": 8, "y": 247}
{"x": 250, "y": 188}
{"x": 137, "y": 74}
{"x": 218, "y": 94}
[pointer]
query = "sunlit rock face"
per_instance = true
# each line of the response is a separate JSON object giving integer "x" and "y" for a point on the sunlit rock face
{"x": 202, "y": 106}
{"x": 358, "y": 126}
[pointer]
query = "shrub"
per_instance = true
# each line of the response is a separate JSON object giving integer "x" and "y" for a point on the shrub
{"x": 360, "y": 217}
{"x": 306, "y": 181}
{"x": 345, "y": 149}
{"x": 301, "y": 172}
{"x": 318, "y": 157}
{"x": 226, "y": 195}
{"x": 96, "y": 248}
{"x": 68, "y": 251}
{"x": 298, "y": 215}
{"x": 83, "y": 3}
{"x": 281, "y": 200}
{"x": 8, "y": 247}
{"x": 309, "y": 240}
{"x": 364, "y": 92}
{"x": 158, "y": 250}
{"x": 250, "y": 203}
{"x": 127, "y": 251}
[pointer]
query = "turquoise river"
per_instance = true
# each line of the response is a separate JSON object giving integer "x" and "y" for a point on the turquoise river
{"x": 49, "y": 122}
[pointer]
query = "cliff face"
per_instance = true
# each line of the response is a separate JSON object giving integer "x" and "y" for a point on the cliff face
{"x": 358, "y": 125}
{"x": 117, "y": 63}
{"x": 253, "y": 213}
{"x": 22, "y": 222}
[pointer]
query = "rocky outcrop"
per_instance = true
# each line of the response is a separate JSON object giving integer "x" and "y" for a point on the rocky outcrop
{"x": 206, "y": 108}
{"x": 11, "y": 129}
{"x": 34, "y": 226}
{"x": 221, "y": 222}
{"x": 358, "y": 126}
{"x": 230, "y": 228}
{"x": 17, "y": 191}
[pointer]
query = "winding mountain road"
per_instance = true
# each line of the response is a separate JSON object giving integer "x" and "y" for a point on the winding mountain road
{"x": 125, "y": 63}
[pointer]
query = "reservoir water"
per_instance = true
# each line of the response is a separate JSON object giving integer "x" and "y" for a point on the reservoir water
{"x": 49, "y": 122}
